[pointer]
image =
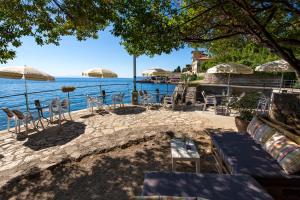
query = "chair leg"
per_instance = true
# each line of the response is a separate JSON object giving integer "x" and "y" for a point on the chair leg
{"x": 70, "y": 116}
{"x": 26, "y": 128}
{"x": 59, "y": 118}
{"x": 8, "y": 124}
{"x": 204, "y": 107}
{"x": 16, "y": 126}
{"x": 51, "y": 117}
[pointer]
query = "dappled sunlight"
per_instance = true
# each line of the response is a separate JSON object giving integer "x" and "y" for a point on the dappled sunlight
{"x": 117, "y": 174}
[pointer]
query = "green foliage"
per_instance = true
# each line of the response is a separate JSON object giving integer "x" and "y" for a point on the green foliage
{"x": 238, "y": 50}
{"x": 192, "y": 77}
{"x": 246, "y": 105}
{"x": 178, "y": 69}
{"x": 68, "y": 88}
{"x": 187, "y": 68}
{"x": 297, "y": 85}
{"x": 155, "y": 27}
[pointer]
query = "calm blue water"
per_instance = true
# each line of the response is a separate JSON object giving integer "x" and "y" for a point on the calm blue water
{"x": 10, "y": 87}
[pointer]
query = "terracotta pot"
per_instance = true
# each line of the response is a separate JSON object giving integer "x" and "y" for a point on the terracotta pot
{"x": 241, "y": 124}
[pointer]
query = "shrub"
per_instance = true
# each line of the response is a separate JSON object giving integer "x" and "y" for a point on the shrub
{"x": 246, "y": 105}
{"x": 68, "y": 88}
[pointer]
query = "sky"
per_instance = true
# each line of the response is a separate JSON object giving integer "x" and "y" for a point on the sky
{"x": 72, "y": 57}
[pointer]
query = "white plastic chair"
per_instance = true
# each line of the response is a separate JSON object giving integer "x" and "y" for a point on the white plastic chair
{"x": 145, "y": 97}
{"x": 23, "y": 118}
{"x": 55, "y": 109}
{"x": 10, "y": 116}
{"x": 65, "y": 108}
{"x": 93, "y": 102}
{"x": 118, "y": 99}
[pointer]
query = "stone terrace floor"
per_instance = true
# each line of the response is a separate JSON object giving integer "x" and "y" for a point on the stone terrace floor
{"x": 93, "y": 133}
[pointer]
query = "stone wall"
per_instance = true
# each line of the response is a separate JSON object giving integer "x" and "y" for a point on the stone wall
{"x": 286, "y": 109}
{"x": 244, "y": 79}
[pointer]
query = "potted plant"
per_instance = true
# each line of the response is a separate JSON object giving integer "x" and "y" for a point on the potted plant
{"x": 68, "y": 88}
{"x": 246, "y": 108}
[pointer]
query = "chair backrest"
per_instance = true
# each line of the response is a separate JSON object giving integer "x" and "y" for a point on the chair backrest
{"x": 54, "y": 105}
{"x": 8, "y": 112}
{"x": 141, "y": 93}
{"x": 118, "y": 97}
{"x": 103, "y": 93}
{"x": 65, "y": 103}
{"x": 18, "y": 114}
{"x": 91, "y": 99}
{"x": 37, "y": 104}
{"x": 242, "y": 95}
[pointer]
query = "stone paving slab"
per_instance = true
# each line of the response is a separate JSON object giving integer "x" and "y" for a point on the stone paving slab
{"x": 88, "y": 134}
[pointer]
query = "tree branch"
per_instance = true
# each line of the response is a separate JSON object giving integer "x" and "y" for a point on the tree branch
{"x": 200, "y": 40}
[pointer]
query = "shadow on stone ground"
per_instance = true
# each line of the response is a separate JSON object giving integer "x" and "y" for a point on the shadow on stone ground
{"x": 55, "y": 136}
{"x": 114, "y": 175}
{"x": 128, "y": 110}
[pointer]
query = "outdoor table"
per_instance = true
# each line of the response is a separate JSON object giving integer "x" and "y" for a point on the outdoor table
{"x": 41, "y": 116}
{"x": 184, "y": 151}
{"x": 203, "y": 186}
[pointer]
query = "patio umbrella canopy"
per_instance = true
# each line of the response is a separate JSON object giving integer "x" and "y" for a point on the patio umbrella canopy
{"x": 277, "y": 66}
{"x": 156, "y": 72}
{"x": 100, "y": 73}
{"x": 229, "y": 68}
{"x": 26, "y": 73}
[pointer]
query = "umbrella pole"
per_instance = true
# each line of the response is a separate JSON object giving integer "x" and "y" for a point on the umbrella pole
{"x": 281, "y": 81}
{"x": 228, "y": 84}
{"x": 26, "y": 95}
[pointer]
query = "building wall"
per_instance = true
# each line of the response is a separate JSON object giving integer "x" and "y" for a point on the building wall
{"x": 196, "y": 68}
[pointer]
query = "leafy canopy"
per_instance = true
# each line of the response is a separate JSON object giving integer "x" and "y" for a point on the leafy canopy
{"x": 237, "y": 50}
{"x": 154, "y": 26}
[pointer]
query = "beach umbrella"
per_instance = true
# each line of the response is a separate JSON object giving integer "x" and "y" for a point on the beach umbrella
{"x": 277, "y": 66}
{"x": 229, "y": 68}
{"x": 26, "y": 73}
{"x": 156, "y": 72}
{"x": 100, "y": 73}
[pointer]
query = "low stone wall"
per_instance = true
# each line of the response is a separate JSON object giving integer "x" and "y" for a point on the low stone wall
{"x": 286, "y": 109}
{"x": 244, "y": 79}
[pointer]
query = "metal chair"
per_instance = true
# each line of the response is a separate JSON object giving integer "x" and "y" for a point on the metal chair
{"x": 263, "y": 105}
{"x": 24, "y": 118}
{"x": 176, "y": 98}
{"x": 209, "y": 100}
{"x": 10, "y": 116}
{"x": 190, "y": 96}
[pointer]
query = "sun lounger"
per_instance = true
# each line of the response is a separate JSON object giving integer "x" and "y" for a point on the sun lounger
{"x": 237, "y": 153}
{"x": 202, "y": 186}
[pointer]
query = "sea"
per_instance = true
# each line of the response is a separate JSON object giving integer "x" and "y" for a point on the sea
{"x": 12, "y": 92}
